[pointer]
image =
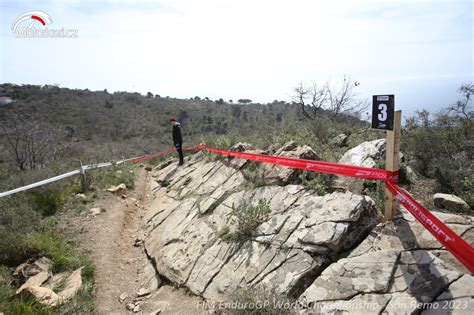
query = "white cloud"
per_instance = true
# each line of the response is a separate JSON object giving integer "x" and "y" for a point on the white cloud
{"x": 255, "y": 49}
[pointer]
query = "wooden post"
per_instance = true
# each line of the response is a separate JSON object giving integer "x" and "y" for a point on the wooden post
{"x": 392, "y": 162}
{"x": 83, "y": 178}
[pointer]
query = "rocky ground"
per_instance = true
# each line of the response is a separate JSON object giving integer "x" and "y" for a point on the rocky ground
{"x": 330, "y": 253}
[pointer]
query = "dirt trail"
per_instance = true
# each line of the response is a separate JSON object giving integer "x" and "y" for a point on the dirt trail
{"x": 122, "y": 267}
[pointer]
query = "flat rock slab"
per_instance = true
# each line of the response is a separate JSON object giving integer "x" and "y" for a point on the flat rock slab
{"x": 302, "y": 234}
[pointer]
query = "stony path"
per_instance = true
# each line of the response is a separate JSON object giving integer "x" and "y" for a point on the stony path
{"x": 113, "y": 240}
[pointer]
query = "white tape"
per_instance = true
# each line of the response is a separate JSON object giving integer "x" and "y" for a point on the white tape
{"x": 41, "y": 183}
{"x": 62, "y": 176}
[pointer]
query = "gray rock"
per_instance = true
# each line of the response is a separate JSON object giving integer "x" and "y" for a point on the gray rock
{"x": 340, "y": 140}
{"x": 450, "y": 202}
{"x": 461, "y": 288}
{"x": 118, "y": 190}
{"x": 285, "y": 175}
{"x": 95, "y": 211}
{"x": 122, "y": 297}
{"x": 411, "y": 175}
{"x": 36, "y": 280}
{"x": 368, "y": 273}
{"x": 137, "y": 308}
{"x": 365, "y": 154}
{"x": 143, "y": 292}
{"x": 241, "y": 147}
{"x": 82, "y": 197}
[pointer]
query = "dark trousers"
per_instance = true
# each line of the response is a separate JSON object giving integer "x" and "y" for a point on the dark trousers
{"x": 179, "y": 148}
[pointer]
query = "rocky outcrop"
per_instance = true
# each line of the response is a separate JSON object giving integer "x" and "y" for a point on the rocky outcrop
{"x": 366, "y": 154}
{"x": 396, "y": 269}
{"x": 450, "y": 202}
{"x": 330, "y": 252}
{"x": 303, "y": 234}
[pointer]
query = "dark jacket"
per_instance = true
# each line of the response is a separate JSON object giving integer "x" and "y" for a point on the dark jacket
{"x": 177, "y": 139}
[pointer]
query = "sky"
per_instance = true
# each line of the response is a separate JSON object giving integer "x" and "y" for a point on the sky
{"x": 421, "y": 51}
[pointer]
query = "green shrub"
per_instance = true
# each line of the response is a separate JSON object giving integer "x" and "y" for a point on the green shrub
{"x": 376, "y": 191}
{"x": 319, "y": 182}
{"x": 261, "y": 301}
{"x": 468, "y": 190}
{"x": 218, "y": 142}
{"x": 18, "y": 214}
{"x": 50, "y": 245}
{"x": 18, "y": 217}
{"x": 6, "y": 291}
{"x": 14, "y": 249}
{"x": 440, "y": 145}
{"x": 26, "y": 305}
{"x": 49, "y": 200}
{"x": 115, "y": 175}
{"x": 247, "y": 218}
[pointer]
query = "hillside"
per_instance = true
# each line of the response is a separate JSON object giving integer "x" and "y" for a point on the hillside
{"x": 131, "y": 117}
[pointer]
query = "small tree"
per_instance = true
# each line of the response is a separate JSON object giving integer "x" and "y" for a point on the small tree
{"x": 31, "y": 143}
{"x": 244, "y": 101}
{"x": 337, "y": 100}
{"x": 461, "y": 107}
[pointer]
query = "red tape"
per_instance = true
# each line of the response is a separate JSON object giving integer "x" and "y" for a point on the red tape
{"x": 148, "y": 157}
{"x": 453, "y": 242}
{"x": 315, "y": 166}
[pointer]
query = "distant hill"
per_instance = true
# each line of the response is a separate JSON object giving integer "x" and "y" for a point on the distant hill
{"x": 139, "y": 121}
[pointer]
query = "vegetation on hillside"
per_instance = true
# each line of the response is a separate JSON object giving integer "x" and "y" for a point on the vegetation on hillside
{"x": 440, "y": 146}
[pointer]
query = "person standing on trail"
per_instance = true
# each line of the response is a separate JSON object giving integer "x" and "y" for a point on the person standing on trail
{"x": 177, "y": 139}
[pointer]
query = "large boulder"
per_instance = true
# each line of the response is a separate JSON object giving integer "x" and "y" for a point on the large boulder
{"x": 365, "y": 154}
{"x": 241, "y": 147}
{"x": 285, "y": 175}
{"x": 188, "y": 220}
{"x": 238, "y": 163}
{"x": 399, "y": 265}
{"x": 340, "y": 140}
{"x": 450, "y": 202}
